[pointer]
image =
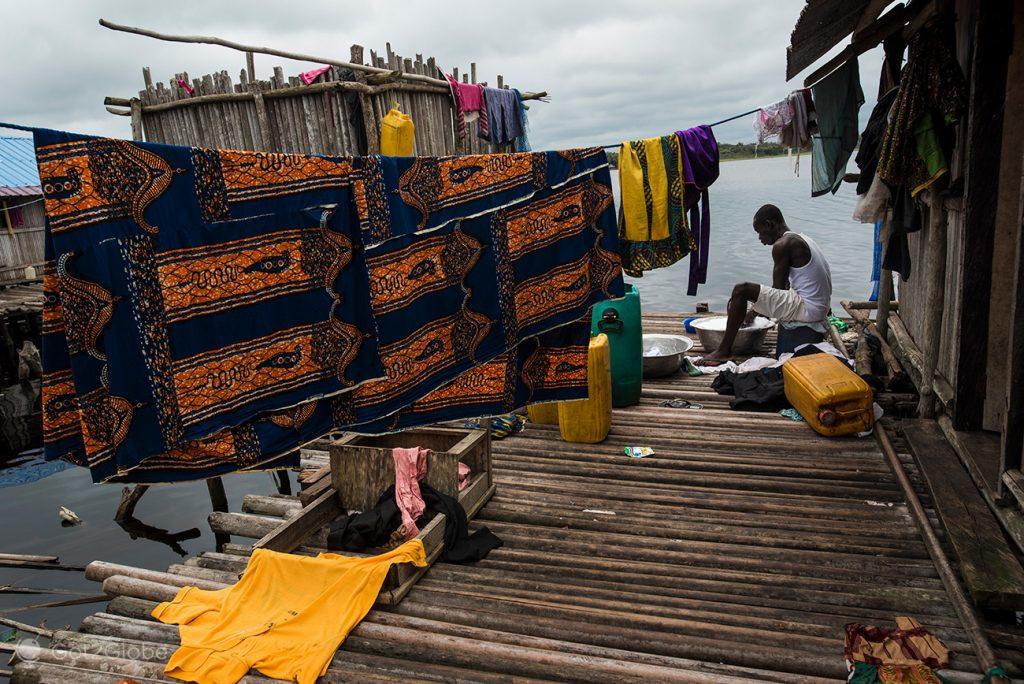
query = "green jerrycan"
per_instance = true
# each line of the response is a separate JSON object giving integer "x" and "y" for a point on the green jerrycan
{"x": 619, "y": 319}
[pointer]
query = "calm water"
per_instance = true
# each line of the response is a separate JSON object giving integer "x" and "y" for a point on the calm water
{"x": 737, "y": 255}
{"x": 31, "y": 524}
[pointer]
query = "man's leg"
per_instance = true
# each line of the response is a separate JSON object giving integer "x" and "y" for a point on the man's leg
{"x": 742, "y": 294}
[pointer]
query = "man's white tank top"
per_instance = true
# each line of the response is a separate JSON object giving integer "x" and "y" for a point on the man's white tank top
{"x": 813, "y": 282}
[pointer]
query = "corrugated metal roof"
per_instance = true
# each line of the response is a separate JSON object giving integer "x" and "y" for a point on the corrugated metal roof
{"x": 822, "y": 24}
{"x": 18, "y": 163}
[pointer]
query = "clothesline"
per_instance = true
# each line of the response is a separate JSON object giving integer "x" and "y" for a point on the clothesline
{"x": 606, "y": 146}
{"x": 717, "y": 123}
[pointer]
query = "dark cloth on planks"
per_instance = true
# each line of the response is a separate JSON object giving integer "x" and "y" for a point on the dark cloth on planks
{"x": 208, "y": 311}
{"x": 760, "y": 390}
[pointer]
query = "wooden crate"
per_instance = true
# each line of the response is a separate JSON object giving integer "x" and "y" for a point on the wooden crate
{"x": 362, "y": 467}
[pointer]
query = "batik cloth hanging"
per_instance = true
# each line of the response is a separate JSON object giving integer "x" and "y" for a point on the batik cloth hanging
{"x": 209, "y": 310}
{"x": 653, "y": 232}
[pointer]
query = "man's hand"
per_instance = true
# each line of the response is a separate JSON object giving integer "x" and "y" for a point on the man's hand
{"x": 749, "y": 319}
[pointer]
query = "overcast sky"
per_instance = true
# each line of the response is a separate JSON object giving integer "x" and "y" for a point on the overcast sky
{"x": 614, "y": 70}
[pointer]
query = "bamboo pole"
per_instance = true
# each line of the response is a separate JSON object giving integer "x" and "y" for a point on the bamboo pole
{"x": 947, "y": 574}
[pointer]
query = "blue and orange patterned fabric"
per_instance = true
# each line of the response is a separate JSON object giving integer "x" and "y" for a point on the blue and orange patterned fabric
{"x": 209, "y": 311}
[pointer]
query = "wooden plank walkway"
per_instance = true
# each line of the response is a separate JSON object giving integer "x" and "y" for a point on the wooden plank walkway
{"x": 736, "y": 553}
{"x": 990, "y": 570}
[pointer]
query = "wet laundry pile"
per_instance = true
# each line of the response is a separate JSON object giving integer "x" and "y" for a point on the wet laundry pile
{"x": 208, "y": 311}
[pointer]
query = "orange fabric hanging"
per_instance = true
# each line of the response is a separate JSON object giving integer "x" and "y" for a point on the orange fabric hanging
{"x": 286, "y": 617}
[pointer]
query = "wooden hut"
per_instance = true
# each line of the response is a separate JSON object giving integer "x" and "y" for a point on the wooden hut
{"x": 21, "y": 209}
{"x": 959, "y": 323}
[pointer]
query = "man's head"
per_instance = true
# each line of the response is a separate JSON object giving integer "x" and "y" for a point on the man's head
{"x": 769, "y": 224}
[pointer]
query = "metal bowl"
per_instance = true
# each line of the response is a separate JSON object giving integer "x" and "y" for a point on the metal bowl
{"x": 749, "y": 338}
{"x": 663, "y": 354}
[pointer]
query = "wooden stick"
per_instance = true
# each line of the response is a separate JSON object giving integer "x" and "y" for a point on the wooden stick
{"x": 213, "y": 40}
{"x": 29, "y": 558}
{"x": 965, "y": 611}
{"x": 23, "y": 627}
{"x": 96, "y": 598}
{"x": 29, "y": 565}
{"x": 870, "y": 306}
{"x": 885, "y": 291}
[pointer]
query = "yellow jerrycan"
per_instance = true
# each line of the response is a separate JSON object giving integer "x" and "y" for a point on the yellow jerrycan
{"x": 832, "y": 398}
{"x": 589, "y": 420}
{"x": 543, "y": 414}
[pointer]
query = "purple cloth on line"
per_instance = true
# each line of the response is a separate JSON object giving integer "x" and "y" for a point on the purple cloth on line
{"x": 503, "y": 118}
{"x": 700, "y": 170}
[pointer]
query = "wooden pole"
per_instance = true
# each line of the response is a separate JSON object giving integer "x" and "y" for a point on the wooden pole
{"x": 136, "y": 112}
{"x": 935, "y": 275}
{"x": 885, "y": 292}
{"x": 7, "y": 220}
{"x": 965, "y": 611}
{"x": 129, "y": 499}
{"x": 250, "y": 65}
{"x": 219, "y": 503}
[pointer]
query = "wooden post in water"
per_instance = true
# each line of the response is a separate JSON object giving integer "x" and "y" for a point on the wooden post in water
{"x": 885, "y": 292}
{"x": 219, "y": 502}
{"x": 935, "y": 273}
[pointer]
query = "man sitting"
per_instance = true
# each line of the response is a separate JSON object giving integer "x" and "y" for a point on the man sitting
{"x": 799, "y": 297}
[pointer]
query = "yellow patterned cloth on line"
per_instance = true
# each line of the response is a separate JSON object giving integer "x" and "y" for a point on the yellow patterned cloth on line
{"x": 653, "y": 232}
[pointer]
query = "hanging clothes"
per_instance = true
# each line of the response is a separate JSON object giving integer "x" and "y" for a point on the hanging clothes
{"x": 700, "y": 169}
{"x": 308, "y": 77}
{"x": 397, "y": 134}
{"x": 522, "y": 142}
{"x": 285, "y": 617}
{"x": 919, "y": 135}
{"x": 876, "y": 260}
{"x": 796, "y": 134}
{"x": 469, "y": 102}
{"x": 873, "y": 194}
{"x": 837, "y": 99}
{"x": 410, "y": 468}
{"x": 652, "y": 224}
{"x": 770, "y": 121}
{"x": 233, "y": 345}
{"x": 931, "y": 97}
{"x": 503, "y": 123}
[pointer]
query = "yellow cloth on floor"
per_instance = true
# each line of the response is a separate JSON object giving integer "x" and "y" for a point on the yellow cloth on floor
{"x": 644, "y": 205}
{"x": 397, "y": 133}
{"x": 285, "y": 617}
